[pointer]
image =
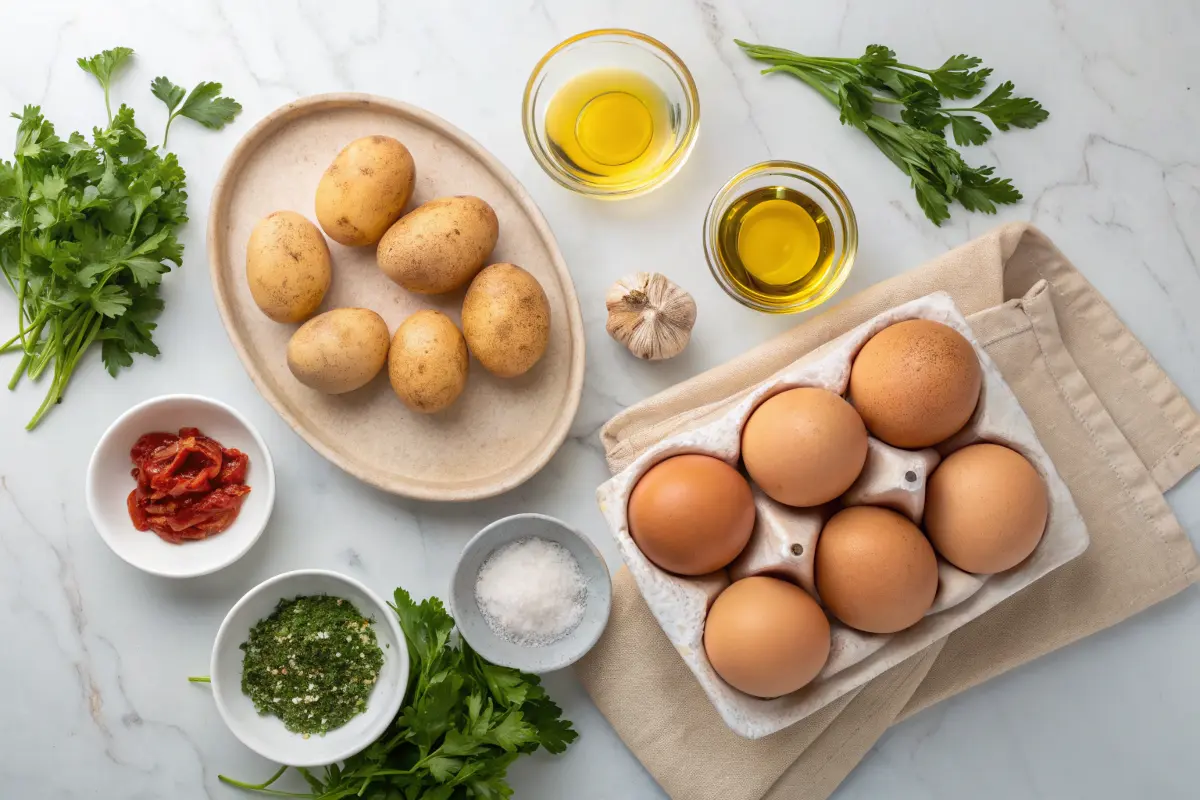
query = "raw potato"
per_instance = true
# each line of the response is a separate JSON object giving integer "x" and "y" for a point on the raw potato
{"x": 339, "y": 351}
{"x": 506, "y": 320}
{"x": 428, "y": 362}
{"x": 439, "y": 246}
{"x": 365, "y": 190}
{"x": 287, "y": 266}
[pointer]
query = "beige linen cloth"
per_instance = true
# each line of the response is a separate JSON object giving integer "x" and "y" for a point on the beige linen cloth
{"x": 1116, "y": 426}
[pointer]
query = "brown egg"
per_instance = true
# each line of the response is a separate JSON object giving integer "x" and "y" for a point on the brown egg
{"x": 985, "y": 508}
{"x": 915, "y": 383}
{"x": 804, "y": 447}
{"x": 691, "y": 514}
{"x": 875, "y": 570}
{"x": 766, "y": 637}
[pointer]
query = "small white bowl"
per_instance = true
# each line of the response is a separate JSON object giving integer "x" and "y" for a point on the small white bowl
{"x": 109, "y": 483}
{"x": 545, "y": 658}
{"x": 266, "y": 734}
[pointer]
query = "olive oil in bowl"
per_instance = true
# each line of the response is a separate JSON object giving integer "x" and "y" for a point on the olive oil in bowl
{"x": 776, "y": 241}
{"x": 611, "y": 113}
{"x": 610, "y": 126}
{"x": 780, "y": 237}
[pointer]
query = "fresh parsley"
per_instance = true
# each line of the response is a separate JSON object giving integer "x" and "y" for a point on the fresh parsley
{"x": 87, "y": 230}
{"x": 916, "y": 143}
{"x": 202, "y": 104}
{"x": 463, "y": 723}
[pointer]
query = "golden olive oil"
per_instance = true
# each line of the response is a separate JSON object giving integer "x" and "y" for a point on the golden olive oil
{"x": 777, "y": 243}
{"x": 610, "y": 127}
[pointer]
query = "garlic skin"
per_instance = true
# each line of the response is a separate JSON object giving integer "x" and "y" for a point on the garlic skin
{"x": 650, "y": 315}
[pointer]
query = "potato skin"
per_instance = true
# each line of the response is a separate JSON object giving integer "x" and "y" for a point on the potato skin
{"x": 440, "y": 245}
{"x": 287, "y": 266}
{"x": 506, "y": 320}
{"x": 365, "y": 190}
{"x": 339, "y": 351}
{"x": 428, "y": 362}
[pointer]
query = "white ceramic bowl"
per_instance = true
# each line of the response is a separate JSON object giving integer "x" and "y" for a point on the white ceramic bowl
{"x": 474, "y": 628}
{"x": 265, "y": 734}
{"x": 109, "y": 483}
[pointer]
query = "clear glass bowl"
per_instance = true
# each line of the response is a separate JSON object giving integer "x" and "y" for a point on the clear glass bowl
{"x": 607, "y": 49}
{"x": 824, "y": 192}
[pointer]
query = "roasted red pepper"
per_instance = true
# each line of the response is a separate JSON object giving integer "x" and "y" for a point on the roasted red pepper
{"x": 188, "y": 485}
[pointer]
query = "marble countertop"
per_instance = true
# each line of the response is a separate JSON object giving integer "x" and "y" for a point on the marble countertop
{"x": 95, "y": 653}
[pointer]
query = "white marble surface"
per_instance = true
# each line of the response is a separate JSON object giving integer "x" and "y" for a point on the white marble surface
{"x": 94, "y": 653}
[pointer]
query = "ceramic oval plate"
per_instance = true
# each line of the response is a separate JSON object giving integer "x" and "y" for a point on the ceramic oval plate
{"x": 501, "y": 431}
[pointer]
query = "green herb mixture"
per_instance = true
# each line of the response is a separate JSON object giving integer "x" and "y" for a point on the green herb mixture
{"x": 916, "y": 143}
{"x": 312, "y": 663}
{"x": 464, "y": 722}
{"x": 87, "y": 230}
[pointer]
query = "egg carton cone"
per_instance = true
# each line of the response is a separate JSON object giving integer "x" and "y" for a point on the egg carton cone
{"x": 785, "y": 539}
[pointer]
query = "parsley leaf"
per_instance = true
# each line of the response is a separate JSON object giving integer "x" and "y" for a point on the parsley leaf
{"x": 104, "y": 66}
{"x": 203, "y": 104}
{"x": 967, "y": 130}
{"x": 464, "y": 722}
{"x": 1004, "y": 110}
{"x": 916, "y": 144}
{"x": 162, "y": 88}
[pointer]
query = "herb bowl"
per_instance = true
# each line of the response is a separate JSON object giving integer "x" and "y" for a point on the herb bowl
{"x": 530, "y": 658}
{"x": 266, "y": 735}
{"x": 109, "y": 483}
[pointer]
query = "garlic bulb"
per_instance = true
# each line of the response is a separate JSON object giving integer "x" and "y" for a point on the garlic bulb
{"x": 650, "y": 315}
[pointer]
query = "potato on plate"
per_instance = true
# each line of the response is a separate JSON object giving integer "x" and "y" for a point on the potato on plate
{"x": 339, "y": 351}
{"x": 365, "y": 190}
{"x": 506, "y": 320}
{"x": 287, "y": 266}
{"x": 440, "y": 245}
{"x": 428, "y": 362}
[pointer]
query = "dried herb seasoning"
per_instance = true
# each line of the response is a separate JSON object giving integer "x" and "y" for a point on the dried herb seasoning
{"x": 312, "y": 663}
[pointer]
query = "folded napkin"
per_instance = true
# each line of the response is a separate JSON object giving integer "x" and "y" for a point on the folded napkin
{"x": 1117, "y": 428}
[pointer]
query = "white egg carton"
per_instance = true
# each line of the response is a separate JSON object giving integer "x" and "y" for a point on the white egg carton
{"x": 784, "y": 540}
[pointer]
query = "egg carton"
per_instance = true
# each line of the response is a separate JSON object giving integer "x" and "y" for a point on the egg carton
{"x": 784, "y": 540}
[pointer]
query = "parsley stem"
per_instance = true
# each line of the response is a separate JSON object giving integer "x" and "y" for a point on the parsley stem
{"x": 167, "y": 130}
{"x": 199, "y": 679}
{"x": 804, "y": 76}
{"x": 49, "y": 348}
{"x": 262, "y": 787}
{"x": 16, "y": 378}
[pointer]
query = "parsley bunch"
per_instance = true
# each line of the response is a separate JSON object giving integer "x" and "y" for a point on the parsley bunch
{"x": 87, "y": 230}
{"x": 464, "y": 721}
{"x": 917, "y": 142}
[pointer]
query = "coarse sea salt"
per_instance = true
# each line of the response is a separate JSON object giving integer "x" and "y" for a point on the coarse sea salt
{"x": 531, "y": 591}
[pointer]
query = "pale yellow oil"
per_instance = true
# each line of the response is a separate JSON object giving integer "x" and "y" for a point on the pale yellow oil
{"x": 610, "y": 127}
{"x": 776, "y": 243}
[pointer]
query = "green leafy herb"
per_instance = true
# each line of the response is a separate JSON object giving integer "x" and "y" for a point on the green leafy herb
{"x": 87, "y": 230}
{"x": 104, "y": 66}
{"x": 312, "y": 663}
{"x": 464, "y": 722}
{"x": 202, "y": 104}
{"x": 916, "y": 143}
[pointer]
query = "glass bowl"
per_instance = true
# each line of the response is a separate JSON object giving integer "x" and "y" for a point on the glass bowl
{"x": 612, "y": 48}
{"x": 821, "y": 189}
